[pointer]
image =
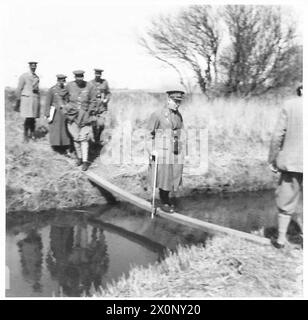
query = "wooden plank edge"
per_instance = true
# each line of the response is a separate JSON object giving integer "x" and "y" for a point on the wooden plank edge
{"x": 176, "y": 217}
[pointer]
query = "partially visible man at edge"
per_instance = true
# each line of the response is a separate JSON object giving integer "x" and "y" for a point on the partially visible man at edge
{"x": 28, "y": 100}
{"x": 103, "y": 95}
{"x": 79, "y": 111}
{"x": 286, "y": 156}
{"x": 56, "y": 99}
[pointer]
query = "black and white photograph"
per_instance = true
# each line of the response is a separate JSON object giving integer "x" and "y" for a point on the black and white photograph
{"x": 152, "y": 150}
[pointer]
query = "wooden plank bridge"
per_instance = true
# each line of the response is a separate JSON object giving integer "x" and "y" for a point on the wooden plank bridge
{"x": 176, "y": 217}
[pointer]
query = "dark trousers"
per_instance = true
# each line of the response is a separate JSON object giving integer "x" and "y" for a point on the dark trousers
{"x": 61, "y": 149}
{"x": 29, "y": 125}
{"x": 164, "y": 196}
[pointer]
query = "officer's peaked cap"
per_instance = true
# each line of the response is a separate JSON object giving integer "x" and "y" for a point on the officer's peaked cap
{"x": 61, "y": 76}
{"x": 176, "y": 94}
{"x": 98, "y": 71}
{"x": 78, "y": 73}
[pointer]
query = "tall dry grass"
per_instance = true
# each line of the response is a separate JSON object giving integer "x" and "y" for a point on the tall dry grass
{"x": 221, "y": 115}
{"x": 239, "y": 137}
{"x": 230, "y": 122}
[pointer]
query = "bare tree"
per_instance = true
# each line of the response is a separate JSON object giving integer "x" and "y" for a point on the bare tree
{"x": 262, "y": 54}
{"x": 189, "y": 39}
{"x": 260, "y": 50}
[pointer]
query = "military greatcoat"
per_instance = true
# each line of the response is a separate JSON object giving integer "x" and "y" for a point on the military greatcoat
{"x": 81, "y": 104}
{"x": 28, "y": 94}
{"x": 165, "y": 128}
{"x": 58, "y": 134}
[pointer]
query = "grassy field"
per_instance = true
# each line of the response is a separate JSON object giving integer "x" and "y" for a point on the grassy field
{"x": 239, "y": 133}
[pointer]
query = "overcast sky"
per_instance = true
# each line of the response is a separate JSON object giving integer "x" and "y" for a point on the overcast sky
{"x": 64, "y": 37}
{"x": 67, "y": 35}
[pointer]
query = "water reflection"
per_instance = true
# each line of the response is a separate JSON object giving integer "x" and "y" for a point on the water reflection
{"x": 31, "y": 258}
{"x": 77, "y": 258}
{"x": 70, "y": 255}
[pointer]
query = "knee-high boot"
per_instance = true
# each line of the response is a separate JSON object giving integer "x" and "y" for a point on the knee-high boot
{"x": 26, "y": 129}
{"x": 32, "y": 128}
{"x": 164, "y": 196}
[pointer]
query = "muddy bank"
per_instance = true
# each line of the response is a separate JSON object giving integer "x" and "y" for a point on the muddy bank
{"x": 239, "y": 177}
{"x": 37, "y": 178}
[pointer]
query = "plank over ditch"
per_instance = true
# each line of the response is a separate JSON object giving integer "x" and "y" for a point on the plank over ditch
{"x": 176, "y": 217}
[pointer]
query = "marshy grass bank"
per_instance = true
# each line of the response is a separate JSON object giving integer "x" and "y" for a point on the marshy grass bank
{"x": 225, "y": 267}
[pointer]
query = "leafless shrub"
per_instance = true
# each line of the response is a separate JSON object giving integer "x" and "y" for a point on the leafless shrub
{"x": 236, "y": 49}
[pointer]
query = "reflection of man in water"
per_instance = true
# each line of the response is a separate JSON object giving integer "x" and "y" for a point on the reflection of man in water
{"x": 31, "y": 258}
{"x": 61, "y": 245}
{"x": 76, "y": 259}
{"x": 89, "y": 258}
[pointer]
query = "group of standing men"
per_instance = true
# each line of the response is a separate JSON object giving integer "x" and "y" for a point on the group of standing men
{"x": 76, "y": 111}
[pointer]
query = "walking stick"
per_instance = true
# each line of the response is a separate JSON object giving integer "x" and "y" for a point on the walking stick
{"x": 154, "y": 186}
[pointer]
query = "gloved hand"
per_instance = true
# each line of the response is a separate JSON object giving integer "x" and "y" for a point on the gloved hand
{"x": 154, "y": 155}
{"x": 49, "y": 120}
{"x": 17, "y": 105}
{"x": 273, "y": 167}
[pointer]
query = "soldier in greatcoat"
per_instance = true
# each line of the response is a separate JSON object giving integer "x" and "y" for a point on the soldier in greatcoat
{"x": 103, "y": 95}
{"x": 286, "y": 157}
{"x": 79, "y": 112}
{"x": 165, "y": 127}
{"x": 28, "y": 100}
{"x": 56, "y": 99}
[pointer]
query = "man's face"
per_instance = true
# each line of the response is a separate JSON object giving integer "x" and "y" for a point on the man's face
{"x": 178, "y": 103}
{"x": 174, "y": 104}
{"x": 61, "y": 83}
{"x": 97, "y": 76}
{"x": 32, "y": 67}
{"x": 79, "y": 79}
